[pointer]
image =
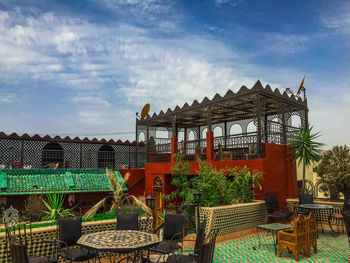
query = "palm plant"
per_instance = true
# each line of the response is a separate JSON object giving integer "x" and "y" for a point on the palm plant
{"x": 118, "y": 195}
{"x": 54, "y": 204}
{"x": 305, "y": 149}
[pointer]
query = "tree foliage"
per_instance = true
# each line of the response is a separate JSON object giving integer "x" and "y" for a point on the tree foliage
{"x": 305, "y": 149}
{"x": 333, "y": 172}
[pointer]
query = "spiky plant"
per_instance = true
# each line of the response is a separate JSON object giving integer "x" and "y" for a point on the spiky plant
{"x": 305, "y": 149}
{"x": 118, "y": 196}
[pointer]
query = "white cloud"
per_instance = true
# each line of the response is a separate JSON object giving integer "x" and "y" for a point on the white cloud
{"x": 7, "y": 98}
{"x": 87, "y": 101}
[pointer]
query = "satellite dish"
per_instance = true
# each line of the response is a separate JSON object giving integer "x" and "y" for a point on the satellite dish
{"x": 145, "y": 110}
{"x": 301, "y": 86}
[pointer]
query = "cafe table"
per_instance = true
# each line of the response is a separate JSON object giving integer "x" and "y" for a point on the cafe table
{"x": 120, "y": 242}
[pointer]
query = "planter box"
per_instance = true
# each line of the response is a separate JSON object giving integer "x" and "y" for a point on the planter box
{"x": 293, "y": 205}
{"x": 49, "y": 232}
{"x": 234, "y": 218}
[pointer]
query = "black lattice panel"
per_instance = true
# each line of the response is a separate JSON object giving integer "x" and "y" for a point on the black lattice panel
{"x": 89, "y": 155}
{"x": 10, "y": 151}
{"x": 132, "y": 159}
{"x": 33, "y": 153}
{"x": 71, "y": 154}
{"x": 121, "y": 155}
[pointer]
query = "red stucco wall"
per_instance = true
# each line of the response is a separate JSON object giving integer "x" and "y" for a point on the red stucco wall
{"x": 279, "y": 173}
{"x": 136, "y": 176}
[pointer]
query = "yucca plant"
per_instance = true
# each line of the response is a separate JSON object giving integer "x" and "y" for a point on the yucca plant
{"x": 305, "y": 149}
{"x": 118, "y": 196}
{"x": 54, "y": 204}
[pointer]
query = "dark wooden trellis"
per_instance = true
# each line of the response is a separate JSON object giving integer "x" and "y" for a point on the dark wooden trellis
{"x": 269, "y": 112}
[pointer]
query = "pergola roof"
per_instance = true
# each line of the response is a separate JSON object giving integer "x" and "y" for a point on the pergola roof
{"x": 231, "y": 107}
{"x": 22, "y": 181}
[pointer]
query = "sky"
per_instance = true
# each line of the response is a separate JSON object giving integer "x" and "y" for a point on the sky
{"x": 84, "y": 68}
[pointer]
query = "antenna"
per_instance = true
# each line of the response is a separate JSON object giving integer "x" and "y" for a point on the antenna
{"x": 145, "y": 110}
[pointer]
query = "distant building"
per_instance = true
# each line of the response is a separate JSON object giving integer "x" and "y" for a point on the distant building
{"x": 34, "y": 152}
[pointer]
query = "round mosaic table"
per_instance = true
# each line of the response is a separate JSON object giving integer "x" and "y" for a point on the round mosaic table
{"x": 119, "y": 240}
{"x": 317, "y": 208}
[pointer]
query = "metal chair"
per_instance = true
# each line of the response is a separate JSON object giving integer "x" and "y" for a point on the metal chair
{"x": 127, "y": 221}
{"x": 205, "y": 251}
{"x": 305, "y": 199}
{"x": 273, "y": 210}
{"x": 17, "y": 242}
{"x": 173, "y": 232}
{"x": 68, "y": 233}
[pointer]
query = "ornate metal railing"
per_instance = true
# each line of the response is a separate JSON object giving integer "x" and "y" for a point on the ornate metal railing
{"x": 159, "y": 153}
{"x": 238, "y": 146}
{"x": 188, "y": 149}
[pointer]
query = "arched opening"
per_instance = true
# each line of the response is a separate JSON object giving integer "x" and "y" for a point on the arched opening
{"x": 52, "y": 156}
{"x": 218, "y": 131}
{"x": 204, "y": 133}
{"x": 236, "y": 129}
{"x": 191, "y": 136}
{"x": 180, "y": 136}
{"x": 105, "y": 157}
{"x": 251, "y": 127}
{"x": 296, "y": 121}
{"x": 162, "y": 134}
{"x": 142, "y": 137}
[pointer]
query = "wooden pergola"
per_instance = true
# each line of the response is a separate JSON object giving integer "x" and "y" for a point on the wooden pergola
{"x": 271, "y": 112}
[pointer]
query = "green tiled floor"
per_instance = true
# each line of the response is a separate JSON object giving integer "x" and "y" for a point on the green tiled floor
{"x": 241, "y": 250}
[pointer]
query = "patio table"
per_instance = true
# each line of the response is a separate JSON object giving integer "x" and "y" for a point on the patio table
{"x": 274, "y": 228}
{"x": 316, "y": 208}
{"x": 120, "y": 241}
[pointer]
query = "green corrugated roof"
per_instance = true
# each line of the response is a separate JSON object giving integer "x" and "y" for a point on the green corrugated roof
{"x": 22, "y": 181}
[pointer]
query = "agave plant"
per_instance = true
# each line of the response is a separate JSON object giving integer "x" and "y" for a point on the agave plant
{"x": 54, "y": 204}
{"x": 118, "y": 195}
{"x": 305, "y": 149}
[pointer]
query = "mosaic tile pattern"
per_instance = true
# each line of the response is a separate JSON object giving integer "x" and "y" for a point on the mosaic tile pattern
{"x": 241, "y": 250}
{"x": 45, "y": 249}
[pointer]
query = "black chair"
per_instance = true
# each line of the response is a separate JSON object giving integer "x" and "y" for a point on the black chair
{"x": 303, "y": 200}
{"x": 205, "y": 252}
{"x": 127, "y": 221}
{"x": 68, "y": 233}
{"x": 173, "y": 232}
{"x": 346, "y": 218}
{"x": 17, "y": 242}
{"x": 273, "y": 209}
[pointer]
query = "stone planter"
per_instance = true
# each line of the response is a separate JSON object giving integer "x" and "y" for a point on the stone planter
{"x": 145, "y": 224}
{"x": 234, "y": 218}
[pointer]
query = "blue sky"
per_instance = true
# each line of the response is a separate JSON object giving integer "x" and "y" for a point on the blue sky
{"x": 86, "y": 67}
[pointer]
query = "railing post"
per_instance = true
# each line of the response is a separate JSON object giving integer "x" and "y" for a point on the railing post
{"x": 173, "y": 149}
{"x": 210, "y": 146}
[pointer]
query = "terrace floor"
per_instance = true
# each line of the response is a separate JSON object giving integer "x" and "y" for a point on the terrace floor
{"x": 241, "y": 250}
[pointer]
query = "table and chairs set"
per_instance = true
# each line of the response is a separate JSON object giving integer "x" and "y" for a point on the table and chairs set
{"x": 302, "y": 234}
{"x": 125, "y": 243}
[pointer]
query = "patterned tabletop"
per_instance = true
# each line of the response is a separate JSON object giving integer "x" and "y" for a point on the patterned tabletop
{"x": 316, "y": 206}
{"x": 118, "y": 240}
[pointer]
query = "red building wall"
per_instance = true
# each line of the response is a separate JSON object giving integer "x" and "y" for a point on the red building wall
{"x": 279, "y": 173}
{"x": 136, "y": 182}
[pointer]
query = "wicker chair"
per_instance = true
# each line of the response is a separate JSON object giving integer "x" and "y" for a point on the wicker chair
{"x": 295, "y": 240}
{"x": 312, "y": 234}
